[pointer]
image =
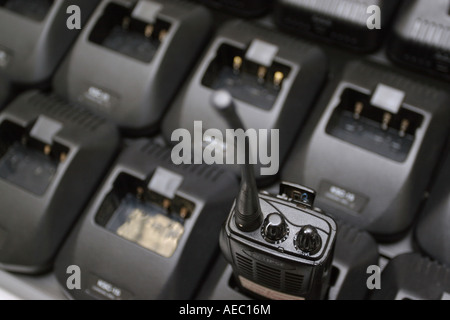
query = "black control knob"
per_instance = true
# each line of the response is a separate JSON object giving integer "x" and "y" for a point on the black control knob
{"x": 308, "y": 240}
{"x": 274, "y": 228}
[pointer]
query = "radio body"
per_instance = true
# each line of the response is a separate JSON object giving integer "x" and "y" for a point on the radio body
{"x": 289, "y": 256}
{"x": 279, "y": 247}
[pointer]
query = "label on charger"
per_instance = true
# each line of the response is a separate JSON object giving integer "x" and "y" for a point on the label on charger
{"x": 101, "y": 289}
{"x": 266, "y": 292}
{"x": 349, "y": 199}
{"x": 99, "y": 98}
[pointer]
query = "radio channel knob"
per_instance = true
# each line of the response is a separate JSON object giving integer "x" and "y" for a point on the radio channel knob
{"x": 274, "y": 228}
{"x": 308, "y": 240}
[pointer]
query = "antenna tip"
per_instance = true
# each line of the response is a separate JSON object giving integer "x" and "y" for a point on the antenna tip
{"x": 222, "y": 100}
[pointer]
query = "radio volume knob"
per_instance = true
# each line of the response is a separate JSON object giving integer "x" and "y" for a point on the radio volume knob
{"x": 274, "y": 228}
{"x": 308, "y": 240}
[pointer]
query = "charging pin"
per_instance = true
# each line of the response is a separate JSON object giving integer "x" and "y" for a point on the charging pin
{"x": 162, "y": 35}
{"x": 62, "y": 157}
{"x": 278, "y": 78}
{"x": 166, "y": 204}
{"x": 149, "y": 30}
{"x": 126, "y": 23}
{"x": 359, "y": 107}
{"x": 47, "y": 150}
{"x": 184, "y": 212}
{"x": 404, "y": 127}
{"x": 387, "y": 117}
{"x": 140, "y": 192}
{"x": 237, "y": 64}
{"x": 262, "y": 72}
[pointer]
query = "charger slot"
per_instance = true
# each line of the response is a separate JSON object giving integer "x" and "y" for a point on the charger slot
{"x": 27, "y": 162}
{"x": 139, "y": 215}
{"x": 246, "y": 80}
{"x": 357, "y": 121}
{"x": 117, "y": 30}
{"x": 32, "y": 9}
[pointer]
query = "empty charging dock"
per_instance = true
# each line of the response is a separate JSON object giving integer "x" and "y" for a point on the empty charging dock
{"x": 33, "y": 9}
{"x": 27, "y": 162}
{"x": 163, "y": 219}
{"x": 358, "y": 121}
{"x": 256, "y": 84}
{"x": 119, "y": 31}
{"x": 144, "y": 217}
{"x": 420, "y": 37}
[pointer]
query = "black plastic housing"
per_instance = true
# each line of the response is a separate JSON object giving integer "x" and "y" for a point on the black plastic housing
{"x": 421, "y": 37}
{"x": 126, "y": 64}
{"x": 284, "y": 107}
{"x": 52, "y": 156}
{"x": 280, "y": 270}
{"x": 244, "y": 8}
{"x": 373, "y": 177}
{"x": 35, "y": 41}
{"x": 413, "y": 277}
{"x": 340, "y": 22}
{"x": 355, "y": 252}
{"x": 135, "y": 269}
{"x": 432, "y": 232}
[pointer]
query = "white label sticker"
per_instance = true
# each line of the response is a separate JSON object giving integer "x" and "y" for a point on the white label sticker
{"x": 98, "y": 96}
{"x": 266, "y": 292}
{"x": 387, "y": 98}
{"x": 165, "y": 182}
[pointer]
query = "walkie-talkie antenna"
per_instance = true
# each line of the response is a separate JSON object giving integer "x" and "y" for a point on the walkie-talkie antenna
{"x": 248, "y": 210}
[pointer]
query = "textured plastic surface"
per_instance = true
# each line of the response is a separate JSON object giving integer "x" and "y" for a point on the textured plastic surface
{"x": 432, "y": 232}
{"x": 137, "y": 272}
{"x": 413, "y": 277}
{"x": 33, "y": 224}
{"x": 132, "y": 84}
{"x": 5, "y": 91}
{"x": 355, "y": 252}
{"x": 360, "y": 186}
{"x": 421, "y": 37}
{"x": 34, "y": 48}
{"x": 342, "y": 22}
{"x": 307, "y": 71}
{"x": 245, "y": 8}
